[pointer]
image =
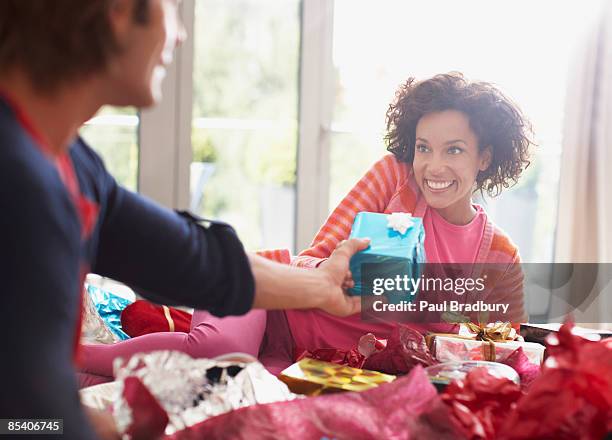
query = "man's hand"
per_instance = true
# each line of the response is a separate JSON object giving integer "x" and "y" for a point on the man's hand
{"x": 103, "y": 423}
{"x": 336, "y": 269}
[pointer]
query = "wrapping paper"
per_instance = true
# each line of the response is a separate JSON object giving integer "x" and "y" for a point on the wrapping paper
{"x": 93, "y": 327}
{"x": 109, "y": 307}
{"x": 187, "y": 390}
{"x": 481, "y": 403}
{"x": 352, "y": 358}
{"x": 405, "y": 349}
{"x": 401, "y": 252}
{"x": 408, "y": 408}
{"x": 572, "y": 398}
{"x": 447, "y": 348}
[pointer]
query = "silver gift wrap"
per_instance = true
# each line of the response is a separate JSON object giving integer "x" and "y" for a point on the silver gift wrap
{"x": 193, "y": 390}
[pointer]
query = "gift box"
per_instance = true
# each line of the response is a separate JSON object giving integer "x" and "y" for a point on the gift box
{"x": 490, "y": 343}
{"x": 396, "y": 248}
{"x": 314, "y": 377}
{"x": 143, "y": 317}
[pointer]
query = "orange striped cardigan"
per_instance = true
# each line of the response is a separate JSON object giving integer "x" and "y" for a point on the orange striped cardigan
{"x": 389, "y": 186}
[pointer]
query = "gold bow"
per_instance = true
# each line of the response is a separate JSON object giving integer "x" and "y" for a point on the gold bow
{"x": 498, "y": 332}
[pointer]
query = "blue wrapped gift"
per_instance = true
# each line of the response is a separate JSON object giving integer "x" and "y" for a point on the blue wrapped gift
{"x": 396, "y": 248}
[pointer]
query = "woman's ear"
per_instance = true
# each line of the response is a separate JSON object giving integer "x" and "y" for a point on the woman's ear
{"x": 486, "y": 155}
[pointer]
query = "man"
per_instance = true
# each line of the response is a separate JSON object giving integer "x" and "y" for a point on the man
{"x": 63, "y": 215}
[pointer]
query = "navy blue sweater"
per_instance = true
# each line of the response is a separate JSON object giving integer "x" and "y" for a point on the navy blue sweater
{"x": 165, "y": 256}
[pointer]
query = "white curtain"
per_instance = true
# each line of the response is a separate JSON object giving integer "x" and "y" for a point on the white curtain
{"x": 584, "y": 227}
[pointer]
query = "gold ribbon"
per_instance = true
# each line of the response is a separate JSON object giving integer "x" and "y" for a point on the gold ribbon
{"x": 169, "y": 318}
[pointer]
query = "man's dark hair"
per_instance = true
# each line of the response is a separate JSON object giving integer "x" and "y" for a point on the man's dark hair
{"x": 56, "y": 41}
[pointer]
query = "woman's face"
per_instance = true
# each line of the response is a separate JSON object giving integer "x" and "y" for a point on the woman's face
{"x": 446, "y": 163}
{"x": 146, "y": 50}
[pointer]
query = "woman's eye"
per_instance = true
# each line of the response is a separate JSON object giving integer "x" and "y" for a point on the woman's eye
{"x": 454, "y": 150}
{"x": 422, "y": 148}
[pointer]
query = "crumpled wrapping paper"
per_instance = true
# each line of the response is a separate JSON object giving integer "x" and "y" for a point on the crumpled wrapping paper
{"x": 408, "y": 408}
{"x": 405, "y": 349}
{"x": 93, "y": 327}
{"x": 109, "y": 307}
{"x": 187, "y": 390}
{"x": 481, "y": 403}
{"x": 572, "y": 398}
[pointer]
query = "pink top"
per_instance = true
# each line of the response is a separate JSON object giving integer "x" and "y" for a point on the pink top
{"x": 449, "y": 243}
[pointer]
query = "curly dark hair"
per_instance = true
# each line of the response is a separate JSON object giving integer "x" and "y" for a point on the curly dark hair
{"x": 494, "y": 118}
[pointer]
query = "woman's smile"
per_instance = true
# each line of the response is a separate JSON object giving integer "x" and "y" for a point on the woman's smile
{"x": 439, "y": 185}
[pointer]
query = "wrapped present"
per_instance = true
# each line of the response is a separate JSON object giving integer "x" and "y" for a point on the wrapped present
{"x": 313, "y": 377}
{"x": 143, "y": 317}
{"x": 493, "y": 342}
{"x": 396, "y": 248}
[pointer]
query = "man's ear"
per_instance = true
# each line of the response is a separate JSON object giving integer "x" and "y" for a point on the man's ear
{"x": 120, "y": 16}
{"x": 486, "y": 156}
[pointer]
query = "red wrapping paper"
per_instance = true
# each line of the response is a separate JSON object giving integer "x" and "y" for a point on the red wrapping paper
{"x": 352, "y": 358}
{"x": 149, "y": 419}
{"x": 406, "y": 408}
{"x": 527, "y": 371}
{"x": 405, "y": 349}
{"x": 481, "y": 403}
{"x": 572, "y": 398}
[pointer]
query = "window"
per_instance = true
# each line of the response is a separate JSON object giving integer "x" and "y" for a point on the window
{"x": 244, "y": 133}
{"x": 113, "y": 133}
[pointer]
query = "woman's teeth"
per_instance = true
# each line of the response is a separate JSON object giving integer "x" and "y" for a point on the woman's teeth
{"x": 439, "y": 184}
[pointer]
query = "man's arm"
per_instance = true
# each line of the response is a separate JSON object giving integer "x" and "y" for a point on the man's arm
{"x": 285, "y": 287}
{"x": 172, "y": 259}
